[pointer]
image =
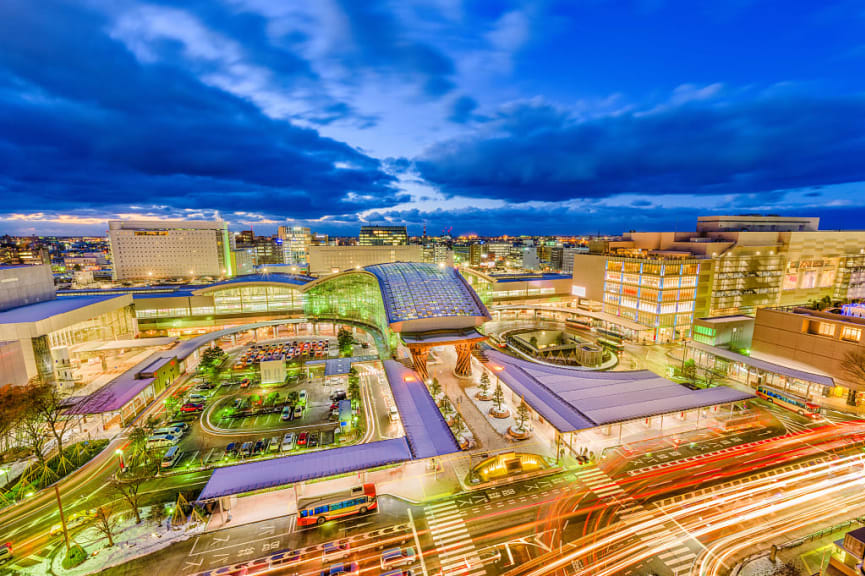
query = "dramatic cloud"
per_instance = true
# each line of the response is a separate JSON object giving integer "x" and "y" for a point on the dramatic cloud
{"x": 534, "y": 151}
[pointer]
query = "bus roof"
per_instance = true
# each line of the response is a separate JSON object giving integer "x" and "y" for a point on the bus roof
{"x": 783, "y": 393}
{"x": 353, "y": 492}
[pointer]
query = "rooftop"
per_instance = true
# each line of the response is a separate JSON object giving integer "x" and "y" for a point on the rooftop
{"x": 290, "y": 469}
{"x": 414, "y": 291}
{"x": 726, "y": 319}
{"x": 766, "y": 365}
{"x": 49, "y": 308}
{"x": 574, "y": 400}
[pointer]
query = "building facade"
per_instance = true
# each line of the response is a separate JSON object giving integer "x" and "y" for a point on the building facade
{"x": 163, "y": 249}
{"x": 296, "y": 241}
{"x": 383, "y": 236}
{"x": 330, "y": 259}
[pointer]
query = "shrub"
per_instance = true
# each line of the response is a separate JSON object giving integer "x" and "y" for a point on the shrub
{"x": 75, "y": 556}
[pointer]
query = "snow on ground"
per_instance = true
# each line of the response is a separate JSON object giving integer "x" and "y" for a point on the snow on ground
{"x": 131, "y": 540}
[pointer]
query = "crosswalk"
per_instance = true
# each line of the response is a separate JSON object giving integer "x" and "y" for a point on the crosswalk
{"x": 678, "y": 558}
{"x": 454, "y": 545}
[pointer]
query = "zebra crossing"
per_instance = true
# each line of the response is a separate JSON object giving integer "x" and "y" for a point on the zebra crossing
{"x": 678, "y": 558}
{"x": 454, "y": 546}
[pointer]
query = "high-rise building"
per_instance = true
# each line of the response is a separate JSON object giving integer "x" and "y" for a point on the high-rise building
{"x": 383, "y": 236}
{"x": 144, "y": 249}
{"x": 296, "y": 241}
{"x": 743, "y": 263}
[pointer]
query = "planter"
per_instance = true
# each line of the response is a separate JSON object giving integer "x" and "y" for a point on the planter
{"x": 500, "y": 414}
{"x": 483, "y": 397}
{"x": 518, "y": 434}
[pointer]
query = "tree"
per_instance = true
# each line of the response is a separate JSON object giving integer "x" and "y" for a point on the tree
{"x": 522, "y": 415}
{"x": 854, "y": 365}
{"x": 484, "y": 386}
{"x": 353, "y": 390}
{"x": 129, "y": 488}
{"x": 293, "y": 397}
{"x": 13, "y": 404}
{"x": 533, "y": 342}
{"x": 51, "y": 406}
{"x": 435, "y": 388}
{"x": 689, "y": 371}
{"x": 345, "y": 340}
{"x": 138, "y": 445}
{"x": 445, "y": 405}
{"x": 458, "y": 424}
{"x": 105, "y": 522}
{"x": 498, "y": 396}
{"x": 212, "y": 357}
{"x": 33, "y": 435}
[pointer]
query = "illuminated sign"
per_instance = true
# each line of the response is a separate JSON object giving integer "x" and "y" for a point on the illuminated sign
{"x": 578, "y": 291}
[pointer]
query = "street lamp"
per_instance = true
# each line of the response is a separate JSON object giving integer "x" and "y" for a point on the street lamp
{"x": 119, "y": 453}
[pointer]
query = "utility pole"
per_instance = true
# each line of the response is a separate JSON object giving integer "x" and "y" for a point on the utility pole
{"x": 62, "y": 518}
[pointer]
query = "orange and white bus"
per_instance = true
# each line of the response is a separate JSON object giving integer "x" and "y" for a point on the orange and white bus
{"x": 793, "y": 402}
{"x": 320, "y": 509}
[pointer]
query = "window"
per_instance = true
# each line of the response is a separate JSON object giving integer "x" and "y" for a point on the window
{"x": 826, "y": 329}
{"x": 851, "y": 334}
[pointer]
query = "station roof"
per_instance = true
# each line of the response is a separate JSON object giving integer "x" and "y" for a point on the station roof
{"x": 339, "y": 366}
{"x": 764, "y": 365}
{"x": 502, "y": 278}
{"x": 417, "y": 291}
{"x": 121, "y": 390}
{"x": 49, "y": 308}
{"x": 427, "y": 432}
{"x": 574, "y": 400}
{"x": 290, "y": 469}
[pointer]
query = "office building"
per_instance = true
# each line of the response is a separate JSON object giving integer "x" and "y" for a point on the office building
{"x": 383, "y": 236}
{"x": 744, "y": 263}
{"x": 142, "y": 249}
{"x": 296, "y": 241}
{"x": 329, "y": 259}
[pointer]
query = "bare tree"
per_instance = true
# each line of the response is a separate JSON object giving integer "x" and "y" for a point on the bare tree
{"x": 13, "y": 403}
{"x": 129, "y": 488}
{"x": 51, "y": 406}
{"x": 104, "y": 522}
{"x": 854, "y": 365}
{"x": 32, "y": 430}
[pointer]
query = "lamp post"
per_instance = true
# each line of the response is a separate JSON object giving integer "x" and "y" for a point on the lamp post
{"x": 119, "y": 453}
{"x": 62, "y": 517}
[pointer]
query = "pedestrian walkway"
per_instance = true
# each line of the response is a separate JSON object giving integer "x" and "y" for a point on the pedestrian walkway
{"x": 677, "y": 557}
{"x": 454, "y": 546}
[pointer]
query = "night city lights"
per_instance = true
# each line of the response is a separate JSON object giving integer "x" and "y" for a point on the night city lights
{"x": 432, "y": 288}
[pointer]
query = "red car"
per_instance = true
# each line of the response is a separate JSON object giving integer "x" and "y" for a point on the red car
{"x": 301, "y": 440}
{"x": 192, "y": 407}
{"x": 244, "y": 383}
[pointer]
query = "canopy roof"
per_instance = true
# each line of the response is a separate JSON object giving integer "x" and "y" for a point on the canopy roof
{"x": 290, "y": 469}
{"x": 427, "y": 433}
{"x": 574, "y": 400}
{"x": 764, "y": 365}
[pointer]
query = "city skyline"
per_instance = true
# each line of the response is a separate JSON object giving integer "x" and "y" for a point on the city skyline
{"x": 486, "y": 119}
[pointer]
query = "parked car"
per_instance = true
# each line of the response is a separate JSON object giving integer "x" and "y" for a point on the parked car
{"x": 335, "y": 550}
{"x": 286, "y": 414}
{"x": 246, "y": 449}
{"x": 178, "y": 424}
{"x": 173, "y": 430}
{"x": 338, "y": 395}
{"x": 204, "y": 386}
{"x": 326, "y": 437}
{"x": 287, "y": 442}
{"x": 244, "y": 383}
{"x": 298, "y": 412}
{"x": 274, "y": 444}
{"x": 5, "y": 552}
{"x": 231, "y": 448}
{"x": 192, "y": 407}
{"x": 347, "y": 568}
{"x": 398, "y": 557}
{"x": 259, "y": 445}
{"x": 301, "y": 440}
{"x": 312, "y": 441}
{"x": 201, "y": 398}
{"x": 302, "y": 397}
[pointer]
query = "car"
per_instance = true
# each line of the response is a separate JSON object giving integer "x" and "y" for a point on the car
{"x": 197, "y": 398}
{"x": 312, "y": 441}
{"x": 274, "y": 444}
{"x": 287, "y": 442}
{"x": 286, "y": 414}
{"x": 178, "y": 424}
{"x": 398, "y": 557}
{"x": 259, "y": 445}
{"x": 173, "y": 430}
{"x": 246, "y": 449}
{"x": 337, "y": 550}
{"x": 302, "y": 397}
{"x": 192, "y": 407}
{"x": 5, "y": 552}
{"x": 338, "y": 395}
{"x": 204, "y": 386}
{"x": 284, "y": 557}
{"x": 244, "y": 383}
{"x": 231, "y": 448}
{"x": 298, "y": 412}
{"x": 398, "y": 572}
{"x": 350, "y": 568}
{"x": 301, "y": 439}
{"x": 394, "y": 414}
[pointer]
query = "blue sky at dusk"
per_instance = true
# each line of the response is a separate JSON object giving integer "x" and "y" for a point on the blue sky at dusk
{"x": 485, "y": 117}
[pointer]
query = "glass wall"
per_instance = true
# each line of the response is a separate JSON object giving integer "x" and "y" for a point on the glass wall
{"x": 353, "y": 296}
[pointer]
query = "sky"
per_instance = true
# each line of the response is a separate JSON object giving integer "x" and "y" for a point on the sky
{"x": 532, "y": 117}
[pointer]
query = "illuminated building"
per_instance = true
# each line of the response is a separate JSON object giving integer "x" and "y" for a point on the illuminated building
{"x": 383, "y": 236}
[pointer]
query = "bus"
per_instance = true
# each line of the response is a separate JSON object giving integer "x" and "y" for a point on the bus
{"x": 320, "y": 509}
{"x": 580, "y": 323}
{"x": 172, "y": 456}
{"x": 790, "y": 401}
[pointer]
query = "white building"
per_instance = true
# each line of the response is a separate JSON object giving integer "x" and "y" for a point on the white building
{"x": 296, "y": 241}
{"x": 329, "y": 259}
{"x": 143, "y": 249}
